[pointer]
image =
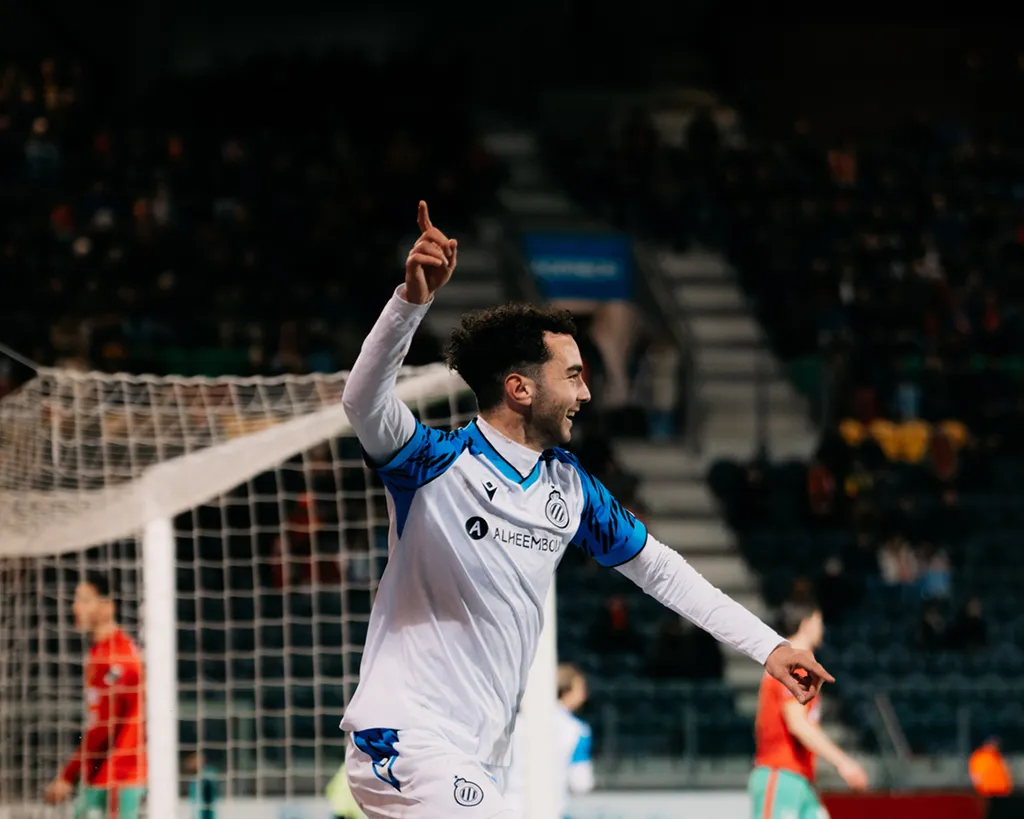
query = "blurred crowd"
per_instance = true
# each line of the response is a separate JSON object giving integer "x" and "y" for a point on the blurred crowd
{"x": 242, "y": 222}
{"x": 894, "y": 260}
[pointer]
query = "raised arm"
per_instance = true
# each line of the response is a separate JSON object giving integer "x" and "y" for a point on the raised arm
{"x": 382, "y": 423}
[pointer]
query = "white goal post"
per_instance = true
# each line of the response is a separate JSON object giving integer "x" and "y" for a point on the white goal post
{"x": 246, "y": 536}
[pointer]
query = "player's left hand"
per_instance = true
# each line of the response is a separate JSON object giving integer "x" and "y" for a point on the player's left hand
{"x": 797, "y": 669}
{"x": 57, "y": 791}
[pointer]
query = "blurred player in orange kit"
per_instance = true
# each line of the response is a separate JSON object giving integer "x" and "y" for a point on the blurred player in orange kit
{"x": 110, "y": 763}
{"x": 789, "y": 738}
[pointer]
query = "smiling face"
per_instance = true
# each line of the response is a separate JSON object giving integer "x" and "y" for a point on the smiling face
{"x": 559, "y": 392}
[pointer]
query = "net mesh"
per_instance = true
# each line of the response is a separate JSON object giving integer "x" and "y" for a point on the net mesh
{"x": 280, "y": 538}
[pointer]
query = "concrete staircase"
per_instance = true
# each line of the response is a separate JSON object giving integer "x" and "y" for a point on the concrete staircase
{"x": 476, "y": 284}
{"x": 527, "y": 194}
{"x": 737, "y": 372}
{"x": 685, "y": 516}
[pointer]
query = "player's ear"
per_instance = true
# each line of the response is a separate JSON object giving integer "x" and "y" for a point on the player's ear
{"x": 519, "y": 388}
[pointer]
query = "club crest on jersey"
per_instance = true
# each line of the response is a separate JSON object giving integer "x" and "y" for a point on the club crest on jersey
{"x": 556, "y": 510}
{"x": 112, "y": 675}
{"x": 468, "y": 794}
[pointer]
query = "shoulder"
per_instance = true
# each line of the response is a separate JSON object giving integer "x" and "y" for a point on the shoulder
{"x": 128, "y": 648}
{"x": 581, "y": 727}
{"x": 567, "y": 466}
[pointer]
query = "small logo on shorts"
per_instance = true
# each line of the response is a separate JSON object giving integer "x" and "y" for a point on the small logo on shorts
{"x": 468, "y": 794}
{"x": 556, "y": 510}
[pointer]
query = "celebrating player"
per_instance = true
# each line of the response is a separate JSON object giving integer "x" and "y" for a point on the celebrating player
{"x": 111, "y": 760}
{"x": 789, "y": 738}
{"x": 480, "y": 517}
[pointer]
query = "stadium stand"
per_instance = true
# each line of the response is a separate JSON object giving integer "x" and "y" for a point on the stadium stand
{"x": 160, "y": 239}
{"x": 886, "y": 273}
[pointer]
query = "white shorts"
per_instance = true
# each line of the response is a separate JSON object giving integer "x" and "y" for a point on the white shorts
{"x": 416, "y": 775}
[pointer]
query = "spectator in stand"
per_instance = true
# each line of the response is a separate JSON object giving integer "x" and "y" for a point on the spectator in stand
{"x": 821, "y": 494}
{"x": 660, "y": 377}
{"x": 969, "y": 632}
{"x": 613, "y": 630}
{"x": 836, "y": 590}
{"x": 931, "y": 633}
{"x": 682, "y": 651}
{"x": 897, "y": 564}
{"x": 935, "y": 579}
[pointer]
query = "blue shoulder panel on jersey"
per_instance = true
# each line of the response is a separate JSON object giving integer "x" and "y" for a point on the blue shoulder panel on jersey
{"x": 608, "y": 531}
{"x": 581, "y": 753}
{"x": 426, "y": 456}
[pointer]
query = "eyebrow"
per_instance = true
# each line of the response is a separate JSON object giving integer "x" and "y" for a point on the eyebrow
{"x": 575, "y": 368}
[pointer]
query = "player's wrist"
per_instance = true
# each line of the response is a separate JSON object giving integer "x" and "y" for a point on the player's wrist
{"x": 413, "y": 297}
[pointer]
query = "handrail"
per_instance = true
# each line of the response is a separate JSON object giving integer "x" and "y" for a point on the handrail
{"x": 890, "y": 722}
{"x": 676, "y": 319}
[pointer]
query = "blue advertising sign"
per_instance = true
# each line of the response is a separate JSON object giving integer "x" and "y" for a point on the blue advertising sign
{"x": 580, "y": 266}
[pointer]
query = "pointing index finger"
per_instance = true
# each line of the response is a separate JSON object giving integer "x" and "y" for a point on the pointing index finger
{"x": 817, "y": 669}
{"x": 423, "y": 217}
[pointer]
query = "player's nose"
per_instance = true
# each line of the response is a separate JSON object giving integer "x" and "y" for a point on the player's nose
{"x": 583, "y": 396}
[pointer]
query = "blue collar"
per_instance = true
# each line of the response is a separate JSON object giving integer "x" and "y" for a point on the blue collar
{"x": 514, "y": 461}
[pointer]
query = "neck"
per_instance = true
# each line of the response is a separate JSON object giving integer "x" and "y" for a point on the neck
{"x": 513, "y": 426}
{"x": 101, "y": 633}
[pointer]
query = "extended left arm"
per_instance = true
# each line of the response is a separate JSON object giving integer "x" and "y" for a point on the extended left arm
{"x": 614, "y": 537}
{"x": 666, "y": 576}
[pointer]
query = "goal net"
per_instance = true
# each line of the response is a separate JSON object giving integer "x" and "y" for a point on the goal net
{"x": 245, "y": 538}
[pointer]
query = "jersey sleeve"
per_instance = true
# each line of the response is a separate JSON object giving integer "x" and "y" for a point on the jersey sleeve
{"x": 581, "y": 768}
{"x": 608, "y": 532}
{"x": 424, "y": 457}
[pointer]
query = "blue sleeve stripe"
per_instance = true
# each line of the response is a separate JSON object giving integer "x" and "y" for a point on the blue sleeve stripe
{"x": 628, "y": 553}
{"x": 582, "y": 751}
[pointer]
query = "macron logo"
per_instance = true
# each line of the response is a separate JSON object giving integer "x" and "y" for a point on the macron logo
{"x": 490, "y": 489}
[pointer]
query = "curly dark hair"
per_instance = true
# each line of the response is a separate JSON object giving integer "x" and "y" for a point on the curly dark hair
{"x": 493, "y": 343}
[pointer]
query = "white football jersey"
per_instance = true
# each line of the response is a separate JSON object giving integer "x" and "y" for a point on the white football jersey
{"x": 478, "y": 525}
{"x": 574, "y": 769}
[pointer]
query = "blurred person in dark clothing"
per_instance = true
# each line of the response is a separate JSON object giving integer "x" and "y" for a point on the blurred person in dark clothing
{"x": 969, "y": 631}
{"x": 613, "y": 631}
{"x": 931, "y": 633}
{"x": 836, "y": 590}
{"x": 682, "y": 651}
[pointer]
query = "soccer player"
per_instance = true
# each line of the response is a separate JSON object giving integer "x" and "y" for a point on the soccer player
{"x": 788, "y": 738}
{"x": 111, "y": 760}
{"x": 480, "y": 517}
{"x": 572, "y": 738}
